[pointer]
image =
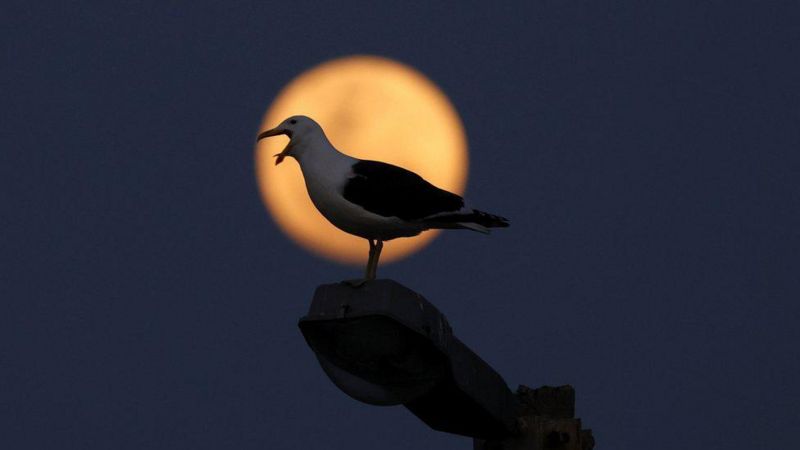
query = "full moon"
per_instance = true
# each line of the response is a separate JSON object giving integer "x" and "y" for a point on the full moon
{"x": 370, "y": 108}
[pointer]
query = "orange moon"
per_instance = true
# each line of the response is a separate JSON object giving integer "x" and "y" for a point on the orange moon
{"x": 370, "y": 108}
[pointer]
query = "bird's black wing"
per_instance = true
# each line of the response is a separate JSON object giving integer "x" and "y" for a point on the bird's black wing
{"x": 389, "y": 190}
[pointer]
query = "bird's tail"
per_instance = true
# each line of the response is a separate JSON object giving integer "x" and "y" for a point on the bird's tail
{"x": 474, "y": 220}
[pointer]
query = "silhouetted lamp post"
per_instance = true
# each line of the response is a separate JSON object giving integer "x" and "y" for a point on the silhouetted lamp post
{"x": 384, "y": 344}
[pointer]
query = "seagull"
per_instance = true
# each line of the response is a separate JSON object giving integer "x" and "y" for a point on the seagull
{"x": 372, "y": 199}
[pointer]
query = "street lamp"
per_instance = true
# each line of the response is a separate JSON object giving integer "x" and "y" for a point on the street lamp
{"x": 383, "y": 344}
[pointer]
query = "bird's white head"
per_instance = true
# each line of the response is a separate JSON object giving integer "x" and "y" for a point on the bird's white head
{"x": 303, "y": 133}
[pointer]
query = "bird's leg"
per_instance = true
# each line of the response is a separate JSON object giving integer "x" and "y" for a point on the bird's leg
{"x": 368, "y": 270}
{"x": 377, "y": 255}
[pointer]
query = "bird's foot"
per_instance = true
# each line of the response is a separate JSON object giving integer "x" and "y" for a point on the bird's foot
{"x": 357, "y": 283}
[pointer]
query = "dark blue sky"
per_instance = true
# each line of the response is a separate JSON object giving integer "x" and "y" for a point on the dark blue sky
{"x": 646, "y": 154}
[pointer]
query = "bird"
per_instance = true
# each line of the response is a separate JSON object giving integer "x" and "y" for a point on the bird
{"x": 373, "y": 200}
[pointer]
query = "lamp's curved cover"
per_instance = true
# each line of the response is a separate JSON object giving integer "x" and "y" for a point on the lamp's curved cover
{"x": 384, "y": 344}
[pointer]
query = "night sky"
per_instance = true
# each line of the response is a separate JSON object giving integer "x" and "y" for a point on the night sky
{"x": 647, "y": 156}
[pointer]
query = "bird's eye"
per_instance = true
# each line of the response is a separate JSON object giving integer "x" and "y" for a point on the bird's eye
{"x": 293, "y": 121}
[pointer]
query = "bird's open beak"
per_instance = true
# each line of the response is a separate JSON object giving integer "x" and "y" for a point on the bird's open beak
{"x": 275, "y": 132}
{"x": 272, "y": 132}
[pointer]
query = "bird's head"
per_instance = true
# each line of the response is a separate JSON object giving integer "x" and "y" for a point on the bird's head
{"x": 299, "y": 129}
